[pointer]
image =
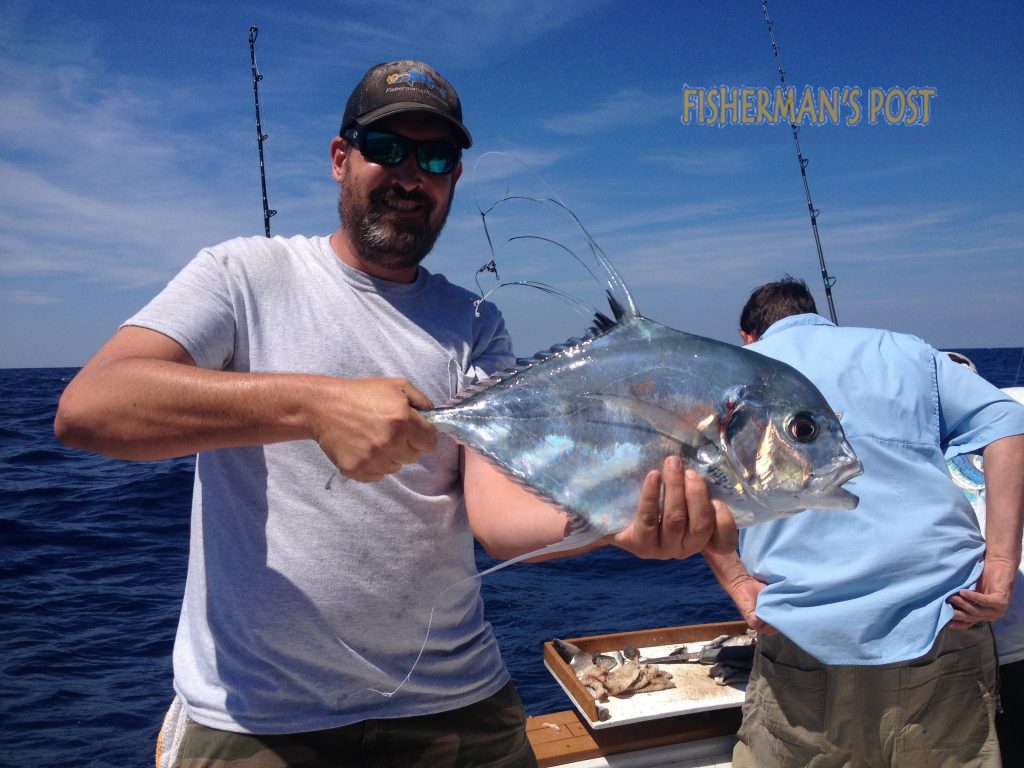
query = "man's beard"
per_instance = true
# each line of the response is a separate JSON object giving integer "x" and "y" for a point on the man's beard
{"x": 386, "y": 237}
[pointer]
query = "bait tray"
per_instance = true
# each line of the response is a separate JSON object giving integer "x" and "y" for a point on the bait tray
{"x": 695, "y": 691}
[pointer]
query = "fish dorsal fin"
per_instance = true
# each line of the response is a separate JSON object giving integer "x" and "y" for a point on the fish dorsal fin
{"x": 617, "y": 309}
{"x": 602, "y": 323}
{"x": 619, "y": 296}
{"x": 523, "y": 363}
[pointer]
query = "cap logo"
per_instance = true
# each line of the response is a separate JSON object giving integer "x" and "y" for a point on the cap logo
{"x": 413, "y": 76}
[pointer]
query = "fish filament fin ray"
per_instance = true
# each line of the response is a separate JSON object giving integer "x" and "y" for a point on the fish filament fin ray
{"x": 581, "y": 534}
{"x": 621, "y": 299}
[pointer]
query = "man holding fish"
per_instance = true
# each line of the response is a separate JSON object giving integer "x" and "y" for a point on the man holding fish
{"x": 876, "y": 647}
{"x": 284, "y": 362}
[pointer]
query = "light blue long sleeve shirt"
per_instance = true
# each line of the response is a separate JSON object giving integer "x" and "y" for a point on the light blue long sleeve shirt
{"x": 870, "y": 586}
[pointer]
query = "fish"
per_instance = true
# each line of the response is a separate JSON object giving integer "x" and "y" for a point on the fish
{"x": 581, "y": 424}
{"x": 580, "y": 661}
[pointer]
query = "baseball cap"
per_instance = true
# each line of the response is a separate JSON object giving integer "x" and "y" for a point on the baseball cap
{"x": 404, "y": 86}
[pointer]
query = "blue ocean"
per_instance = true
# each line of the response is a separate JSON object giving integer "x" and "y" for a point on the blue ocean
{"x": 93, "y": 556}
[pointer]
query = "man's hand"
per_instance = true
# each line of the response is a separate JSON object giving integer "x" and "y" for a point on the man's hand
{"x": 682, "y": 524}
{"x": 990, "y": 601}
{"x": 1004, "y": 522}
{"x": 744, "y": 591}
{"x": 371, "y": 427}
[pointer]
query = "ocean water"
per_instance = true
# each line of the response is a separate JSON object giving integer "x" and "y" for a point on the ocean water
{"x": 92, "y": 564}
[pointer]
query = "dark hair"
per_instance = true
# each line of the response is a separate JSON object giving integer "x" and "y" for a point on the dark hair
{"x": 773, "y": 301}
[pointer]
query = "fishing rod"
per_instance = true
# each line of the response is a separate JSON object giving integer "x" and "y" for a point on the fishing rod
{"x": 827, "y": 280}
{"x": 260, "y": 135}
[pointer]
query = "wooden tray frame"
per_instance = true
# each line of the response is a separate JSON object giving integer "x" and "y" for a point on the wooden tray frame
{"x": 646, "y": 638}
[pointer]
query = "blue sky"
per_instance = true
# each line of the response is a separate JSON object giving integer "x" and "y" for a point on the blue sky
{"x": 127, "y": 143}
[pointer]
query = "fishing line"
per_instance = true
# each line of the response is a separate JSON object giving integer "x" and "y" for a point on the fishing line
{"x": 827, "y": 280}
{"x": 260, "y": 135}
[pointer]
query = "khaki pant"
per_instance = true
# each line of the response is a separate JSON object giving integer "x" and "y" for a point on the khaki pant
{"x": 491, "y": 734}
{"x": 934, "y": 712}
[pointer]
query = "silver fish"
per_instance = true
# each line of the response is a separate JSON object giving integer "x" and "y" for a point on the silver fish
{"x": 582, "y": 425}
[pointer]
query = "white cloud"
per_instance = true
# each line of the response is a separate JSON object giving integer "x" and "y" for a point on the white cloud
{"x": 702, "y": 161}
{"x": 626, "y": 107}
{"x": 102, "y": 174}
{"x": 29, "y": 298}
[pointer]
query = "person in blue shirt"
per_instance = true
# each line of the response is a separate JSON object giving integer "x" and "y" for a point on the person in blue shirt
{"x": 967, "y": 471}
{"x": 875, "y": 645}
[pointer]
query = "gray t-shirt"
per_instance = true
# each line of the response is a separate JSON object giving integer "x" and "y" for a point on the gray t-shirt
{"x": 304, "y": 595}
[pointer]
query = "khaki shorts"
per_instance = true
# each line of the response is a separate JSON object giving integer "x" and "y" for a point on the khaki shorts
{"x": 490, "y": 733}
{"x": 931, "y": 712}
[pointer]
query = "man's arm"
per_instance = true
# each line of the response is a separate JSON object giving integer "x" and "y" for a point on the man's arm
{"x": 142, "y": 397}
{"x": 509, "y": 521}
{"x": 739, "y": 585}
{"x": 1004, "y": 528}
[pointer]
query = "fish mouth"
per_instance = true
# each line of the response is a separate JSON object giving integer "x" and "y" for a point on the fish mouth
{"x": 837, "y": 498}
{"x": 829, "y": 493}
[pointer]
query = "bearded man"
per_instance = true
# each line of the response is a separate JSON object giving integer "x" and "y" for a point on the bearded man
{"x": 282, "y": 362}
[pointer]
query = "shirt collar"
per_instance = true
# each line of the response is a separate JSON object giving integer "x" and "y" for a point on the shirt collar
{"x": 793, "y": 321}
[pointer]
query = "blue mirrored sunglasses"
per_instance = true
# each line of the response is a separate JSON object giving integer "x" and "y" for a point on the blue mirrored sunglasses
{"x": 438, "y": 157}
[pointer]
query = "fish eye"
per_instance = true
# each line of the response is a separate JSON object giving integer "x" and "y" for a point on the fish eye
{"x": 802, "y": 427}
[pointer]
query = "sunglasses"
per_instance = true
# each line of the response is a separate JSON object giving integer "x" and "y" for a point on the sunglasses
{"x": 382, "y": 148}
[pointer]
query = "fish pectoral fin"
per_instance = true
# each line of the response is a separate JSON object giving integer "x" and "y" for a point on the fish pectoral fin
{"x": 662, "y": 420}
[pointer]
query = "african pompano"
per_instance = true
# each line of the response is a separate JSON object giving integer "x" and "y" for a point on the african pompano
{"x": 582, "y": 425}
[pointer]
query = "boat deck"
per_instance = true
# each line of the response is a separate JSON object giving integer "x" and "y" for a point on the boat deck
{"x": 701, "y": 740}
